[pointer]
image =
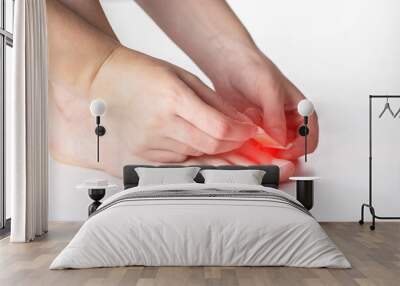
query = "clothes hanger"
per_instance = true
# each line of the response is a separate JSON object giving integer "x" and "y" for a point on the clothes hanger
{"x": 397, "y": 113}
{"x": 387, "y": 107}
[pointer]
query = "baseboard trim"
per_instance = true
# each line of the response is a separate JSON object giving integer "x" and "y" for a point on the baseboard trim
{"x": 5, "y": 231}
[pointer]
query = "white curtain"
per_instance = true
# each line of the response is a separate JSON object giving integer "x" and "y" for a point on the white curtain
{"x": 27, "y": 120}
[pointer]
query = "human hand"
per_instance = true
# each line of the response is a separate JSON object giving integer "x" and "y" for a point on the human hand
{"x": 156, "y": 112}
{"x": 254, "y": 85}
{"x": 240, "y": 72}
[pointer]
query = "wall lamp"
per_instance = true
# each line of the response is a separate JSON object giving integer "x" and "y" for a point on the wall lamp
{"x": 305, "y": 108}
{"x": 98, "y": 108}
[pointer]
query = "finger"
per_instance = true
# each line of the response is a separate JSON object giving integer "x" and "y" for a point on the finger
{"x": 211, "y": 121}
{"x": 295, "y": 96}
{"x": 291, "y": 135}
{"x": 236, "y": 103}
{"x": 211, "y": 98}
{"x": 170, "y": 144}
{"x": 266, "y": 140}
{"x": 163, "y": 156}
{"x": 214, "y": 160}
{"x": 255, "y": 115}
{"x": 293, "y": 119}
{"x": 274, "y": 118}
{"x": 235, "y": 158}
{"x": 188, "y": 134}
{"x": 297, "y": 147}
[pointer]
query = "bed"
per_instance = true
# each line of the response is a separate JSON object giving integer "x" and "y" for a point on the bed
{"x": 201, "y": 224}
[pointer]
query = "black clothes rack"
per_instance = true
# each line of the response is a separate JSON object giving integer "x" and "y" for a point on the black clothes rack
{"x": 370, "y": 204}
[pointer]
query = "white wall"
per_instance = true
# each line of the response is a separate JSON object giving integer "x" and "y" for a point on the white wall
{"x": 336, "y": 52}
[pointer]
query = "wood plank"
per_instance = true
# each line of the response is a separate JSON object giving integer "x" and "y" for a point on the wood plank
{"x": 375, "y": 257}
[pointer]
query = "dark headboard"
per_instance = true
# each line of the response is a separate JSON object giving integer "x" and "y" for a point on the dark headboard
{"x": 271, "y": 177}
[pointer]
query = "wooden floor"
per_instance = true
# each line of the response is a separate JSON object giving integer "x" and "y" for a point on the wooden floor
{"x": 375, "y": 257}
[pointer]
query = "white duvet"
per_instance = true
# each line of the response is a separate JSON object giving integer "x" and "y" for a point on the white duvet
{"x": 200, "y": 231}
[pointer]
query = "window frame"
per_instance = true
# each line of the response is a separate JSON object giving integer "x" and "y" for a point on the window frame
{"x": 6, "y": 39}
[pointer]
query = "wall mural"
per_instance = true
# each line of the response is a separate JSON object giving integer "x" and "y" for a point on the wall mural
{"x": 156, "y": 112}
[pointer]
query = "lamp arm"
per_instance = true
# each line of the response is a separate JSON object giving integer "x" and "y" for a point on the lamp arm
{"x": 98, "y": 147}
{"x": 99, "y": 131}
{"x": 97, "y": 109}
{"x": 305, "y": 108}
{"x": 305, "y": 138}
{"x": 98, "y": 138}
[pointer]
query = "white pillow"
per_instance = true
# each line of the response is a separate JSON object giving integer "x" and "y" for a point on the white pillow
{"x": 248, "y": 177}
{"x": 162, "y": 176}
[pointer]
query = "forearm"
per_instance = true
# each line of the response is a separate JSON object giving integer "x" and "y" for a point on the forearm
{"x": 76, "y": 49}
{"x": 92, "y": 12}
{"x": 205, "y": 30}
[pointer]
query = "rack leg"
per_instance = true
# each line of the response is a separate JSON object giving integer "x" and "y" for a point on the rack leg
{"x": 361, "y": 221}
{"x": 372, "y": 210}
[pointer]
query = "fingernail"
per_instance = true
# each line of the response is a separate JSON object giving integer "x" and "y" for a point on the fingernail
{"x": 276, "y": 134}
{"x": 266, "y": 140}
{"x": 244, "y": 118}
{"x": 281, "y": 140}
{"x": 255, "y": 129}
{"x": 288, "y": 146}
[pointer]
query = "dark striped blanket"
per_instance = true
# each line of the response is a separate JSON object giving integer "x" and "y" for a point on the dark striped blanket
{"x": 206, "y": 194}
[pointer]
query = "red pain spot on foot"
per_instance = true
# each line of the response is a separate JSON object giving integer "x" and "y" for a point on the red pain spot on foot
{"x": 257, "y": 148}
{"x": 270, "y": 151}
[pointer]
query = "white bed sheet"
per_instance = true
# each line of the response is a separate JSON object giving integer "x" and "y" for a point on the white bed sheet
{"x": 200, "y": 231}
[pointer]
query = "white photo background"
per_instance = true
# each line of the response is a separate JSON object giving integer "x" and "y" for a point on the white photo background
{"x": 337, "y": 53}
